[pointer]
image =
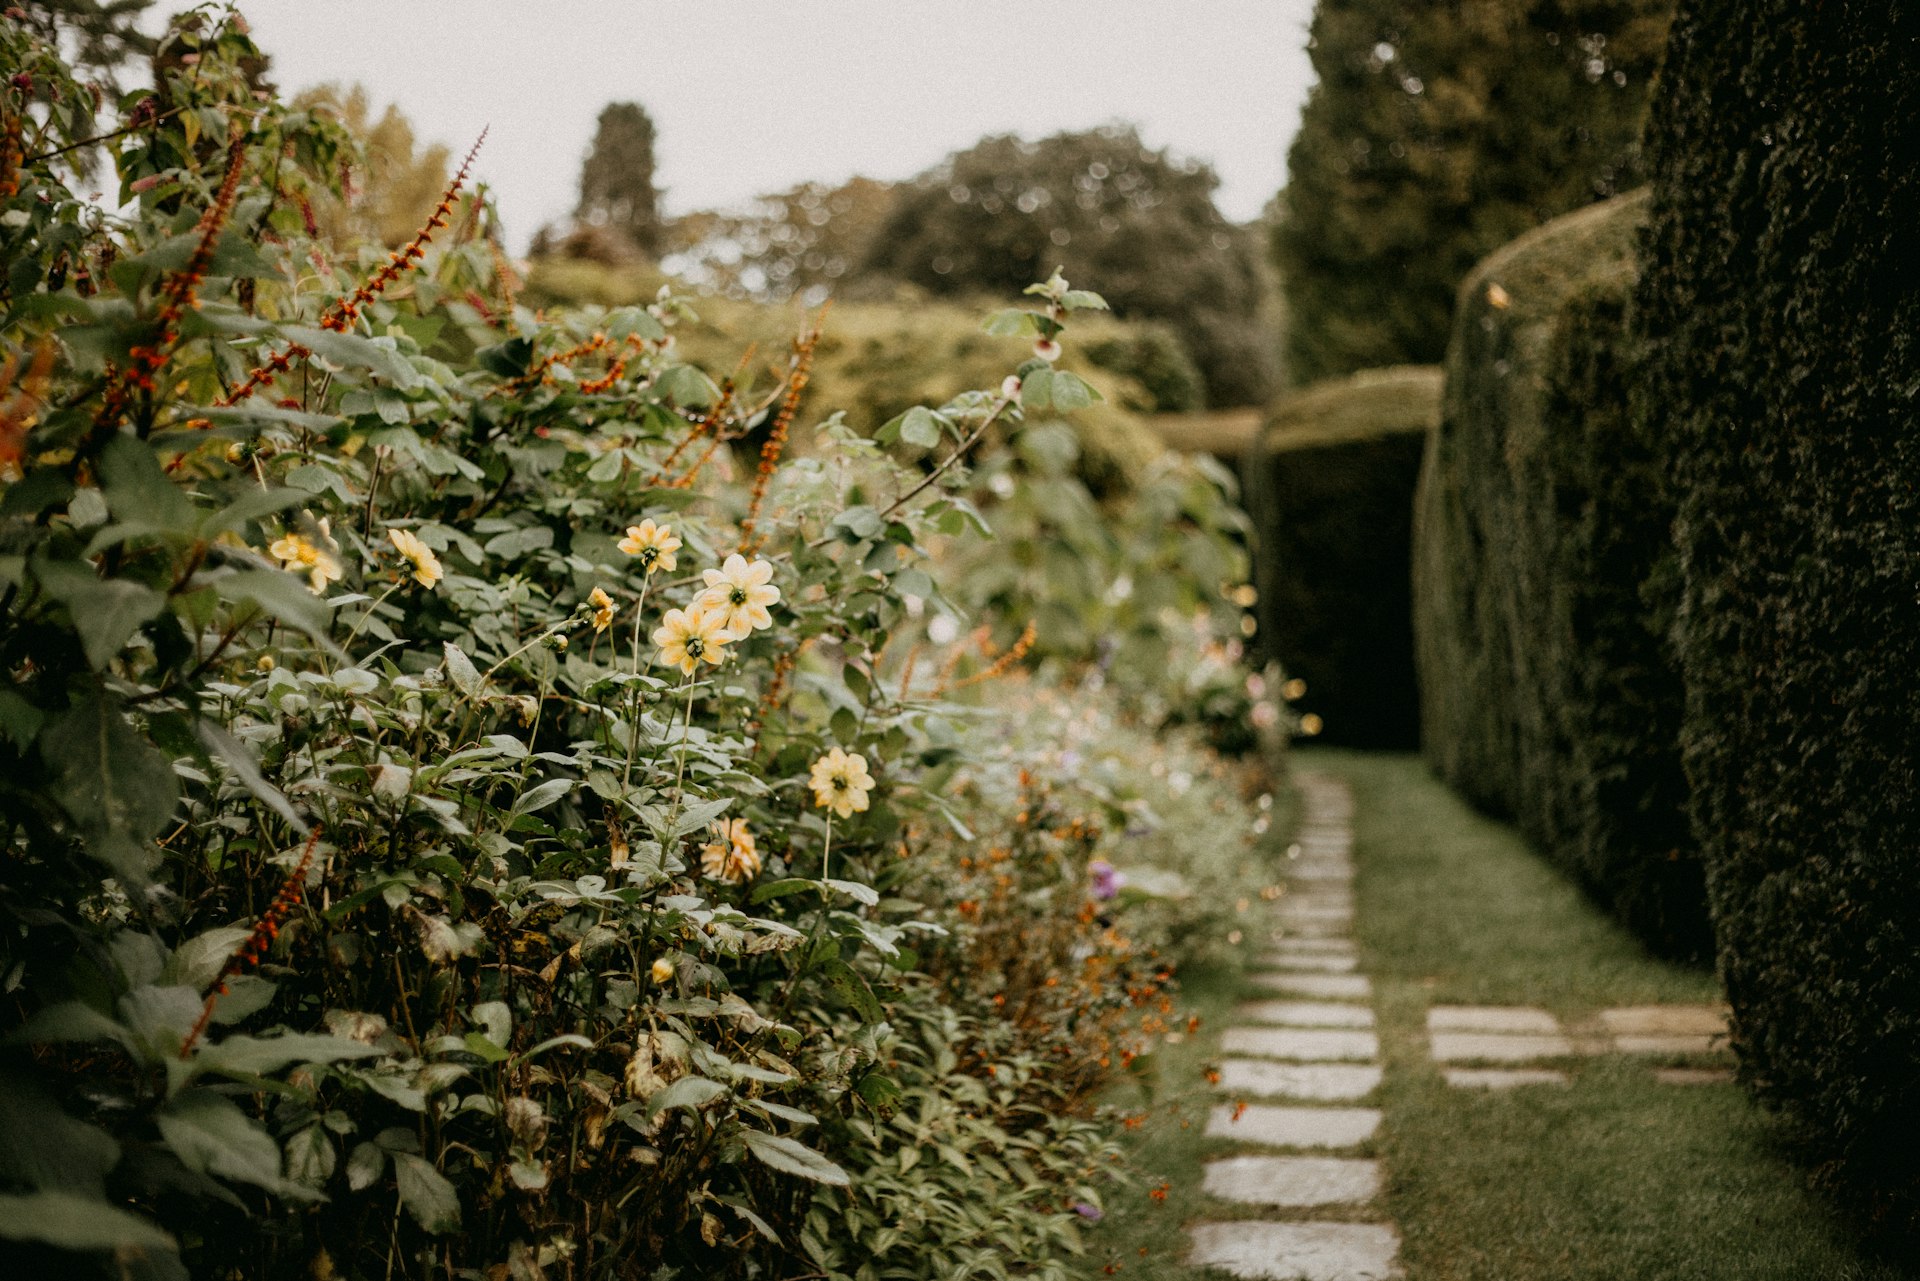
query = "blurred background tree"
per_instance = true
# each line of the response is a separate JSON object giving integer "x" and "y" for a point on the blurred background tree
{"x": 616, "y": 179}
{"x": 399, "y": 186}
{"x": 805, "y": 241}
{"x": 101, "y": 36}
{"x": 1104, "y": 207}
{"x": 1437, "y": 133}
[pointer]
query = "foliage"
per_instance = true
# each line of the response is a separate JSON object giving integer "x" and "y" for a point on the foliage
{"x": 104, "y": 35}
{"x": 379, "y": 902}
{"x": 1778, "y": 301}
{"x": 1330, "y": 487}
{"x": 1099, "y": 204}
{"x": 1153, "y": 356}
{"x": 1544, "y": 576}
{"x": 399, "y": 185}
{"x": 616, "y": 178}
{"x": 1435, "y": 134}
{"x": 807, "y": 241}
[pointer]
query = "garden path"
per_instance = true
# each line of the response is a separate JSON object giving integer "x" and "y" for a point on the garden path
{"x": 1310, "y": 1052}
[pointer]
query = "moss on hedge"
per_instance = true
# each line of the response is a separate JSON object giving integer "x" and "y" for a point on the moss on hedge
{"x": 1781, "y": 312}
{"x": 1542, "y": 565}
{"x": 1330, "y": 487}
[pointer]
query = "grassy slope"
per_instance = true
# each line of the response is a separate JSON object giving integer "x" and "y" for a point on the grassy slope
{"x": 1615, "y": 1176}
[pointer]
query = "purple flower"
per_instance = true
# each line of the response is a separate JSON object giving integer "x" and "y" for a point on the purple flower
{"x": 1105, "y": 879}
{"x": 1091, "y": 1213}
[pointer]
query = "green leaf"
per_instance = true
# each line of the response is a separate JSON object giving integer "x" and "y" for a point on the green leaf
{"x": 1010, "y": 323}
{"x": 689, "y": 1092}
{"x": 211, "y": 1135}
{"x": 74, "y": 1222}
{"x": 240, "y": 760}
{"x": 429, "y": 1198}
{"x": 793, "y": 1158}
{"x": 278, "y": 595}
{"x": 1071, "y": 392}
{"x": 116, "y": 786}
{"x": 364, "y": 1166}
{"x": 535, "y": 799}
{"x": 20, "y": 720}
{"x": 105, "y": 611}
{"x": 781, "y": 888}
{"x": 921, "y": 426}
{"x": 1036, "y": 389}
{"x": 311, "y": 1159}
{"x": 138, "y": 490}
{"x": 353, "y": 351}
{"x": 461, "y": 671}
{"x": 261, "y": 1056}
{"x": 685, "y": 385}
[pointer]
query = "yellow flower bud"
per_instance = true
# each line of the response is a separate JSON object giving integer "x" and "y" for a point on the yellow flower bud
{"x": 662, "y": 970}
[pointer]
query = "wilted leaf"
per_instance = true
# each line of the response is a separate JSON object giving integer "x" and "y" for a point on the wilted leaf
{"x": 426, "y": 1193}
{"x": 793, "y": 1158}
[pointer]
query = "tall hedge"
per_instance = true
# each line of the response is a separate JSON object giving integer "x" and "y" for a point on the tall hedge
{"x": 1543, "y": 571}
{"x": 1781, "y": 310}
{"x": 1330, "y": 487}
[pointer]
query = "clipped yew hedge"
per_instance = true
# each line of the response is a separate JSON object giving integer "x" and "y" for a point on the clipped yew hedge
{"x": 1330, "y": 487}
{"x": 1780, "y": 308}
{"x": 1542, "y": 584}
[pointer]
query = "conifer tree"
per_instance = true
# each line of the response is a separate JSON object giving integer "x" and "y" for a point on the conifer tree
{"x": 616, "y": 179}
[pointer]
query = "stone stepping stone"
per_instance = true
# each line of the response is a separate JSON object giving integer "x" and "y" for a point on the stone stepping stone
{"x": 1297, "y": 1251}
{"x": 1686, "y": 1076}
{"x": 1492, "y": 1018}
{"x": 1313, "y": 947}
{"x": 1337, "y": 987}
{"x": 1319, "y": 871}
{"x": 1309, "y": 1082}
{"x": 1293, "y": 1181}
{"x": 1665, "y": 1020}
{"x": 1502, "y": 1078}
{"x": 1670, "y": 1044}
{"x": 1285, "y": 1127}
{"x": 1306, "y": 1014}
{"x": 1312, "y": 1045}
{"x": 1467, "y": 1047}
{"x": 1290, "y": 914}
{"x": 1297, "y": 927}
{"x": 1310, "y": 962}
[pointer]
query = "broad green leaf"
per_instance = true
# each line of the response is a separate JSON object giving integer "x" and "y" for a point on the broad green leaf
{"x": 364, "y": 1166}
{"x": 922, "y": 427}
{"x": 857, "y": 891}
{"x": 71, "y": 1221}
{"x": 352, "y": 351}
{"x": 689, "y": 1092}
{"x": 240, "y": 760}
{"x": 105, "y": 611}
{"x": 793, "y": 1158}
{"x": 117, "y": 786}
{"x": 1071, "y": 392}
{"x": 1009, "y": 323}
{"x": 535, "y": 799}
{"x": 278, "y": 595}
{"x": 262, "y": 1056}
{"x": 311, "y": 1158}
{"x": 429, "y": 1198}
{"x": 211, "y": 1135}
{"x": 138, "y": 490}
{"x": 461, "y": 671}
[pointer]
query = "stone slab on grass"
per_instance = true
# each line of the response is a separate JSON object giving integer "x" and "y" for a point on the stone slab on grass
{"x": 1307, "y": 1082}
{"x": 1670, "y": 1044}
{"x": 1492, "y": 1018}
{"x": 1309, "y": 928}
{"x": 1297, "y": 1251}
{"x": 1502, "y": 1078}
{"x": 1665, "y": 1020}
{"x": 1335, "y": 987}
{"x": 1488, "y": 1047}
{"x": 1310, "y": 962}
{"x": 1320, "y": 871}
{"x": 1287, "y": 1127}
{"x": 1306, "y": 1014}
{"x": 1312, "y": 947}
{"x": 1294, "y": 1182}
{"x": 1308, "y": 1045}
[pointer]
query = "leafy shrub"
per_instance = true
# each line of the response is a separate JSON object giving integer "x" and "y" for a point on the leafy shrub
{"x": 1779, "y": 305}
{"x": 1330, "y": 487}
{"x": 378, "y": 899}
{"x": 1543, "y": 576}
{"x": 1153, "y": 357}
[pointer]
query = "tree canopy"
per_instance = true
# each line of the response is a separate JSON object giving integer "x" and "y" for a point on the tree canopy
{"x": 1100, "y": 205}
{"x": 1437, "y": 133}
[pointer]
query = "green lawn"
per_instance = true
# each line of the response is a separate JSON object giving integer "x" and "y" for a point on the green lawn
{"x": 1612, "y": 1178}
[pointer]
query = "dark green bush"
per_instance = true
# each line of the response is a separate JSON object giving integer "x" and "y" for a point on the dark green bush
{"x": 1330, "y": 486}
{"x": 1549, "y": 690}
{"x": 1153, "y": 356}
{"x": 1781, "y": 308}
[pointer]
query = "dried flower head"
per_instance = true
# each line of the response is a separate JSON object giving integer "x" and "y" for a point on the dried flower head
{"x": 731, "y": 856}
{"x": 603, "y": 609}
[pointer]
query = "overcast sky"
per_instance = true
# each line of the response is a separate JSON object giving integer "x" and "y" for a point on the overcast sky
{"x": 753, "y": 96}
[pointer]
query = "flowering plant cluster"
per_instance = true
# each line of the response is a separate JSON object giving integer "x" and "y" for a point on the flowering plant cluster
{"x": 451, "y": 824}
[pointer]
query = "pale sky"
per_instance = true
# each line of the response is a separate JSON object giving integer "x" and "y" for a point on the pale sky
{"x": 755, "y": 96}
